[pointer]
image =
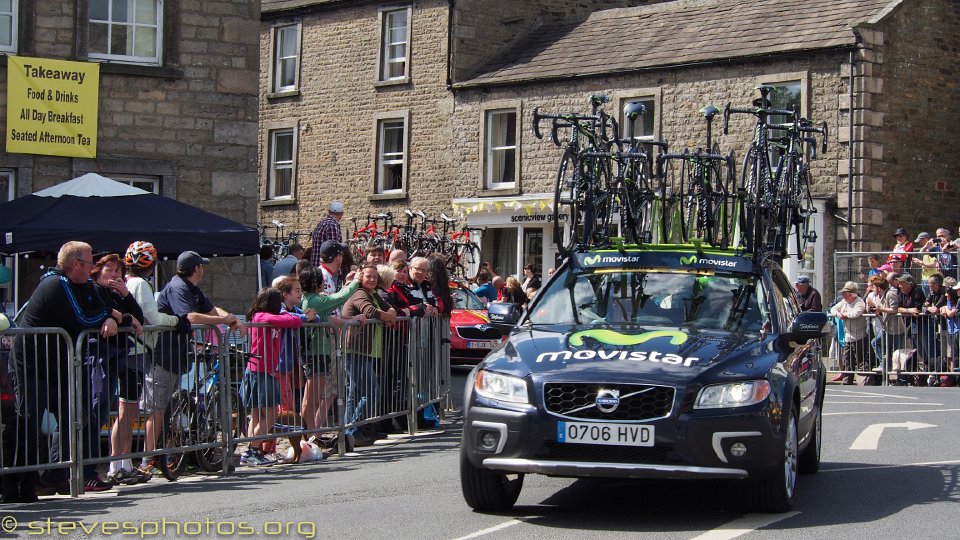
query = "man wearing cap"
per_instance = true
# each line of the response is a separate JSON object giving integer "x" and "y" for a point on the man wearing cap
{"x": 327, "y": 229}
{"x": 855, "y": 341}
{"x": 807, "y": 296}
{"x": 928, "y": 263}
{"x": 331, "y": 259}
{"x": 183, "y": 297}
{"x": 286, "y": 265}
{"x": 903, "y": 246}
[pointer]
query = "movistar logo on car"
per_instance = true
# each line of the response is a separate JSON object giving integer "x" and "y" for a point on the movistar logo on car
{"x": 611, "y": 337}
{"x": 613, "y": 258}
{"x": 693, "y": 259}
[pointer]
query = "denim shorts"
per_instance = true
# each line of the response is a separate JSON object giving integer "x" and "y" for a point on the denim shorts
{"x": 259, "y": 390}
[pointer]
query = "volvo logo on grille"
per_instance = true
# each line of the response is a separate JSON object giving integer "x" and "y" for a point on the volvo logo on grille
{"x": 608, "y": 400}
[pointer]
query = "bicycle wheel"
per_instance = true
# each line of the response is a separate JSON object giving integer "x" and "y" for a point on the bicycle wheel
{"x": 803, "y": 226}
{"x": 597, "y": 201}
{"x": 211, "y": 429}
{"x": 567, "y": 180}
{"x": 177, "y": 425}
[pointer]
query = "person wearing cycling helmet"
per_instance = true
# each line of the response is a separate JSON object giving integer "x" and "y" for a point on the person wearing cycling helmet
{"x": 158, "y": 382}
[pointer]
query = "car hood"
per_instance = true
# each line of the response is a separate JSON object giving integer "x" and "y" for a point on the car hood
{"x": 662, "y": 355}
{"x": 461, "y": 317}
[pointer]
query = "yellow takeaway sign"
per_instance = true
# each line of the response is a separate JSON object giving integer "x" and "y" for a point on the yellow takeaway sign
{"x": 52, "y": 107}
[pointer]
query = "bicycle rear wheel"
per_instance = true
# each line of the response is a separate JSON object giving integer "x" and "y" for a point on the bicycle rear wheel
{"x": 178, "y": 422}
{"x": 567, "y": 179}
{"x": 212, "y": 429}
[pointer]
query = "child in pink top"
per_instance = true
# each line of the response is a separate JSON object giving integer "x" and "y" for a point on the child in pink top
{"x": 260, "y": 391}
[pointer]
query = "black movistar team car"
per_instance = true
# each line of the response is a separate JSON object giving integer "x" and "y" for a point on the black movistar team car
{"x": 650, "y": 363}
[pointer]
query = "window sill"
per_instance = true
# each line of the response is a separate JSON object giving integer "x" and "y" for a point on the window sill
{"x": 499, "y": 192}
{"x": 392, "y": 196}
{"x": 278, "y": 202}
{"x": 284, "y": 94}
{"x": 141, "y": 71}
{"x": 392, "y": 82}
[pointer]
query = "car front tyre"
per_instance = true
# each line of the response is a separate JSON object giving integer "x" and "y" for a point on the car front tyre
{"x": 775, "y": 493}
{"x": 488, "y": 491}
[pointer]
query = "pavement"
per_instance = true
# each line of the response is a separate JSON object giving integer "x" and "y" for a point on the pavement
{"x": 890, "y": 470}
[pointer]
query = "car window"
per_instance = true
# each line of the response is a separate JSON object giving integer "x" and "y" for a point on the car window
{"x": 654, "y": 298}
{"x": 785, "y": 300}
{"x": 464, "y": 299}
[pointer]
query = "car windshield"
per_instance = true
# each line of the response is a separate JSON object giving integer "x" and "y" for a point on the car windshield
{"x": 464, "y": 299}
{"x": 704, "y": 301}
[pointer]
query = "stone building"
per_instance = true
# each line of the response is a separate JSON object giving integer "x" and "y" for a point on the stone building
{"x": 881, "y": 73}
{"x": 177, "y": 109}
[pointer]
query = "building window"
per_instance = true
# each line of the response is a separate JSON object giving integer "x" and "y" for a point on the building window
{"x": 391, "y": 155}
{"x": 146, "y": 183}
{"x": 501, "y": 152}
{"x": 8, "y": 26}
{"x": 644, "y": 127}
{"x": 128, "y": 31}
{"x": 395, "y": 49}
{"x": 282, "y": 151}
{"x": 785, "y": 96}
{"x": 7, "y": 189}
{"x": 286, "y": 58}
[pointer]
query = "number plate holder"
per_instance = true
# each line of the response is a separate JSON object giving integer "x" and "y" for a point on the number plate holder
{"x": 608, "y": 434}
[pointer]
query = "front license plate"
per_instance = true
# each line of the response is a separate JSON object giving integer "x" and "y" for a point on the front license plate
{"x": 490, "y": 344}
{"x": 611, "y": 434}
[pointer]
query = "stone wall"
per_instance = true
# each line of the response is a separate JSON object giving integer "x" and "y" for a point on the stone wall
{"x": 911, "y": 88}
{"x": 192, "y": 122}
{"x": 335, "y": 111}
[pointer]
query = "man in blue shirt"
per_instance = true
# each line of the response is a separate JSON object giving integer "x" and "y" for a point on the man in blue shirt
{"x": 485, "y": 291}
{"x": 286, "y": 265}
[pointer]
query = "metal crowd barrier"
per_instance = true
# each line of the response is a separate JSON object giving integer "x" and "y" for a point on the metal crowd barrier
{"x": 924, "y": 354}
{"x": 332, "y": 379}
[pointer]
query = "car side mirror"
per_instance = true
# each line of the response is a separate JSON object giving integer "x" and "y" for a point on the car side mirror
{"x": 807, "y": 325}
{"x": 503, "y": 316}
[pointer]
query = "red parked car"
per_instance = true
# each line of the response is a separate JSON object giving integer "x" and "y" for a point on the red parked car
{"x": 471, "y": 336}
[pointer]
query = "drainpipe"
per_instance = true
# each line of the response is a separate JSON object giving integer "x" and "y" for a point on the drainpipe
{"x": 850, "y": 162}
{"x": 452, "y": 4}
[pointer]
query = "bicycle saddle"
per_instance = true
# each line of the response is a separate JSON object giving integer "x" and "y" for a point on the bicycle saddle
{"x": 633, "y": 110}
{"x": 709, "y": 111}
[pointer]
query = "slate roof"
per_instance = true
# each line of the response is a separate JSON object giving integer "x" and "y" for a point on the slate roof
{"x": 680, "y": 33}
{"x": 273, "y": 6}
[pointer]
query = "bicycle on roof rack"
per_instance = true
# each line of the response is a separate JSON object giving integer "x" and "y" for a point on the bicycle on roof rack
{"x": 584, "y": 176}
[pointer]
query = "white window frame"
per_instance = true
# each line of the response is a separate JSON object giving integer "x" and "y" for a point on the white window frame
{"x": 384, "y": 59}
{"x": 274, "y": 165}
{"x": 381, "y": 123}
{"x": 276, "y": 58}
{"x": 14, "y": 27}
{"x": 155, "y": 60}
{"x": 783, "y": 79}
{"x": 132, "y": 180}
{"x": 490, "y": 149}
{"x": 639, "y": 94}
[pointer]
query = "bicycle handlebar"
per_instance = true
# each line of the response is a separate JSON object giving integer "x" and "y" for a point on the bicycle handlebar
{"x": 756, "y": 111}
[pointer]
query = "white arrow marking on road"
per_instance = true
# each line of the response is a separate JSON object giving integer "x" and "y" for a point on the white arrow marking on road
{"x": 870, "y": 437}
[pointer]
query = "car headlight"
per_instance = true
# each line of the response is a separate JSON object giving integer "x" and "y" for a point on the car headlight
{"x": 739, "y": 394}
{"x": 501, "y": 387}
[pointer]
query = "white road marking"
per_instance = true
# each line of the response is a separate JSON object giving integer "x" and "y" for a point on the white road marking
{"x": 855, "y": 393}
{"x": 869, "y": 438}
{"x": 890, "y": 412}
{"x": 489, "y": 530}
{"x": 879, "y": 403}
{"x": 742, "y": 526}
{"x": 897, "y": 466}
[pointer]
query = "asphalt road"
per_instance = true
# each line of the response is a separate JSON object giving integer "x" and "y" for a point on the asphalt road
{"x": 890, "y": 470}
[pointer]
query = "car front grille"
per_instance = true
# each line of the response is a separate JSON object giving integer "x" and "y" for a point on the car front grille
{"x": 599, "y": 453}
{"x": 638, "y": 402}
{"x": 478, "y": 332}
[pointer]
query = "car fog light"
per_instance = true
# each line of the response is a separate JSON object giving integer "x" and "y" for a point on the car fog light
{"x": 738, "y": 449}
{"x": 488, "y": 440}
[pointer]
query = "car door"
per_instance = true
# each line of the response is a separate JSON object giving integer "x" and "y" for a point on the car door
{"x": 803, "y": 361}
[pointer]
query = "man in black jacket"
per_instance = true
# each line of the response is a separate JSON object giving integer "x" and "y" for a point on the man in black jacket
{"x": 807, "y": 296}
{"x": 65, "y": 298}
